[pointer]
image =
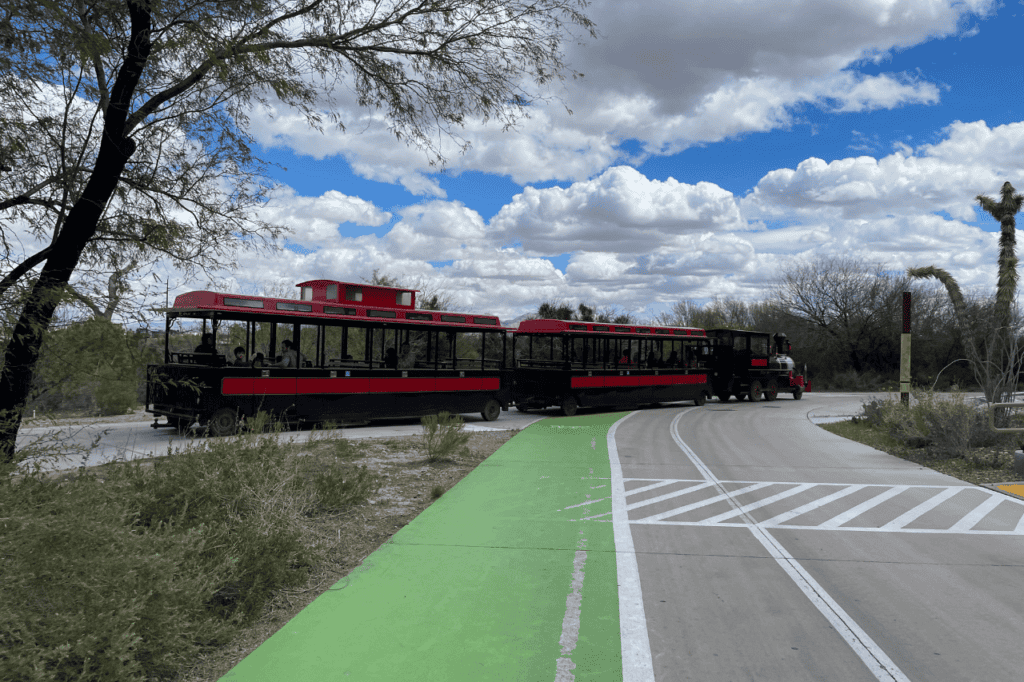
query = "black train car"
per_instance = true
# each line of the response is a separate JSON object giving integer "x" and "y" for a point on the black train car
{"x": 753, "y": 365}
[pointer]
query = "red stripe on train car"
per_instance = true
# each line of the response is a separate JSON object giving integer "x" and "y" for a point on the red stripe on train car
{"x": 465, "y": 384}
{"x": 587, "y": 382}
{"x": 490, "y": 383}
{"x": 622, "y": 381}
{"x": 758, "y": 363}
{"x": 402, "y": 385}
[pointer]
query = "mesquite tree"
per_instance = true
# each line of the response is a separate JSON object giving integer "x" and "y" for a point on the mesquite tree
{"x": 992, "y": 348}
{"x": 147, "y": 100}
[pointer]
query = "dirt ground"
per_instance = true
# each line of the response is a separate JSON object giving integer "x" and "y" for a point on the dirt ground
{"x": 409, "y": 485}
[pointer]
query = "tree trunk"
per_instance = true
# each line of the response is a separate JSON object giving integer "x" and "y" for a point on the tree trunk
{"x": 115, "y": 149}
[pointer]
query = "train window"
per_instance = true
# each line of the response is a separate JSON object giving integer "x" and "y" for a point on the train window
{"x": 468, "y": 346}
{"x": 485, "y": 320}
{"x": 739, "y": 343}
{"x": 243, "y": 302}
{"x": 453, "y": 318}
{"x": 403, "y": 298}
{"x": 622, "y": 329}
{"x": 578, "y": 327}
{"x": 381, "y": 313}
{"x": 759, "y": 345}
{"x": 307, "y": 293}
{"x": 309, "y": 343}
{"x": 332, "y": 292}
{"x": 600, "y": 328}
{"x": 332, "y": 310}
{"x": 300, "y": 307}
{"x": 494, "y": 350}
{"x": 353, "y": 293}
{"x": 419, "y": 316}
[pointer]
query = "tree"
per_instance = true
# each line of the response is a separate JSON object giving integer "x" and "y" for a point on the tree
{"x": 583, "y": 313}
{"x": 991, "y": 341}
{"x": 846, "y": 306}
{"x": 168, "y": 85}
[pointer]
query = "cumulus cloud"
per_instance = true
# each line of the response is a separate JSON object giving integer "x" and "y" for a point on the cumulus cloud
{"x": 314, "y": 221}
{"x": 619, "y": 211}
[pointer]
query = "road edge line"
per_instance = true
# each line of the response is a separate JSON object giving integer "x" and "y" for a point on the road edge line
{"x": 637, "y": 665}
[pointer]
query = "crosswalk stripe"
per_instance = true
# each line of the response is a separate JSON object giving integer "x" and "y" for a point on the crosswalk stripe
{"x": 760, "y": 503}
{"x": 702, "y": 503}
{"x": 648, "y": 487}
{"x": 811, "y": 506}
{"x": 668, "y": 496}
{"x": 921, "y": 509}
{"x": 851, "y": 514}
{"x": 979, "y": 512}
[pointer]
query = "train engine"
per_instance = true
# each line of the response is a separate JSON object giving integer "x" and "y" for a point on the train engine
{"x": 753, "y": 365}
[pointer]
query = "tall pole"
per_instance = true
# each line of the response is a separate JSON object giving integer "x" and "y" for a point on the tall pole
{"x": 905, "y": 351}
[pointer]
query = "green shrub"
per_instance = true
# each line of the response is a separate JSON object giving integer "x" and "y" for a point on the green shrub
{"x": 443, "y": 436}
{"x": 947, "y": 421}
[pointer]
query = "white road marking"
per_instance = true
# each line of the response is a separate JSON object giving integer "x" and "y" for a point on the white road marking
{"x": 880, "y": 665}
{"x": 760, "y": 503}
{"x": 811, "y": 506}
{"x": 697, "y": 505}
{"x": 667, "y": 496}
{"x": 652, "y": 486}
{"x": 571, "y": 621}
{"x": 637, "y": 665}
{"x": 978, "y": 513}
{"x": 920, "y": 510}
{"x": 853, "y": 513}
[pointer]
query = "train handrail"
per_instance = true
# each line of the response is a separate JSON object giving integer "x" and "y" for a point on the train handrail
{"x": 992, "y": 418}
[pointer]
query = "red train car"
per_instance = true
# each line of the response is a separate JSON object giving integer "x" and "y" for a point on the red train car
{"x": 572, "y": 364}
{"x": 358, "y": 352}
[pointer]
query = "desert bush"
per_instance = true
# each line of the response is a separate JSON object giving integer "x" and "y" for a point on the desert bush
{"x": 948, "y": 421}
{"x": 125, "y": 573}
{"x": 443, "y": 436}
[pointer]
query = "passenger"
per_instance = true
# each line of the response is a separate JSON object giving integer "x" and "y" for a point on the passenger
{"x": 240, "y": 360}
{"x": 652, "y": 360}
{"x": 406, "y": 358}
{"x": 673, "y": 360}
{"x": 391, "y": 358}
{"x": 207, "y": 345}
{"x": 290, "y": 357}
{"x": 624, "y": 360}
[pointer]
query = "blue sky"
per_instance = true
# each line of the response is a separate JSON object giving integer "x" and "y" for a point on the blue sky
{"x": 711, "y": 146}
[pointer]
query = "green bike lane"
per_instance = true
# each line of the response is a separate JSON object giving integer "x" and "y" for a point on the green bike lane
{"x": 502, "y": 578}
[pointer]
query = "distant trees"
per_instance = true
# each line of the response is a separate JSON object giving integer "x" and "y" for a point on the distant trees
{"x": 582, "y": 313}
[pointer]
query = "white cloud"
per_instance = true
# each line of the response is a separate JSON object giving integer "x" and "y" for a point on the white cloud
{"x": 314, "y": 221}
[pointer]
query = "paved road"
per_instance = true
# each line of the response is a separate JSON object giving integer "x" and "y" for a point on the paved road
{"x": 769, "y": 549}
{"x": 94, "y": 444}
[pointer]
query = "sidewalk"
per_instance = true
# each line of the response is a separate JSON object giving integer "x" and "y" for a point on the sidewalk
{"x": 497, "y": 580}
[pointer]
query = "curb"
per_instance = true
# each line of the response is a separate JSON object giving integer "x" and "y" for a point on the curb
{"x": 997, "y": 487}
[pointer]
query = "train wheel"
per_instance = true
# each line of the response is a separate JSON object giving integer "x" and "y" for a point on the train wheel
{"x": 723, "y": 397}
{"x": 798, "y": 393}
{"x": 224, "y": 422}
{"x": 755, "y": 391}
{"x": 701, "y": 399}
{"x": 771, "y": 390}
{"x": 491, "y": 410}
{"x": 569, "y": 406}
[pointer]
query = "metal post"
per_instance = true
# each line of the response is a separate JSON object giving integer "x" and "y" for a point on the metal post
{"x": 905, "y": 351}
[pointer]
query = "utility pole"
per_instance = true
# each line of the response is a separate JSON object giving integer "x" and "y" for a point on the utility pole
{"x": 905, "y": 351}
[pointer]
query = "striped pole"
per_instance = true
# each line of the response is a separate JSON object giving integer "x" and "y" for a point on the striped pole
{"x": 905, "y": 351}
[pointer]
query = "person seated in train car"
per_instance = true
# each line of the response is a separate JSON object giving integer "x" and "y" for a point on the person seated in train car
{"x": 624, "y": 360}
{"x": 290, "y": 357}
{"x": 256, "y": 359}
{"x": 240, "y": 359}
{"x": 391, "y": 358}
{"x": 673, "y": 359}
{"x": 207, "y": 345}
{"x": 406, "y": 357}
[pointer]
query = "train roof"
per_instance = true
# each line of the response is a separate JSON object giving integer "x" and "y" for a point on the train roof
{"x": 380, "y": 308}
{"x": 560, "y": 326}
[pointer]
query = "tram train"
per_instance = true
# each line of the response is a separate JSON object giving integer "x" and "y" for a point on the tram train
{"x": 364, "y": 352}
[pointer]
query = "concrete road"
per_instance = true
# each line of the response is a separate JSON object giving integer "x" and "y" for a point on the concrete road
{"x": 769, "y": 549}
{"x": 94, "y": 444}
